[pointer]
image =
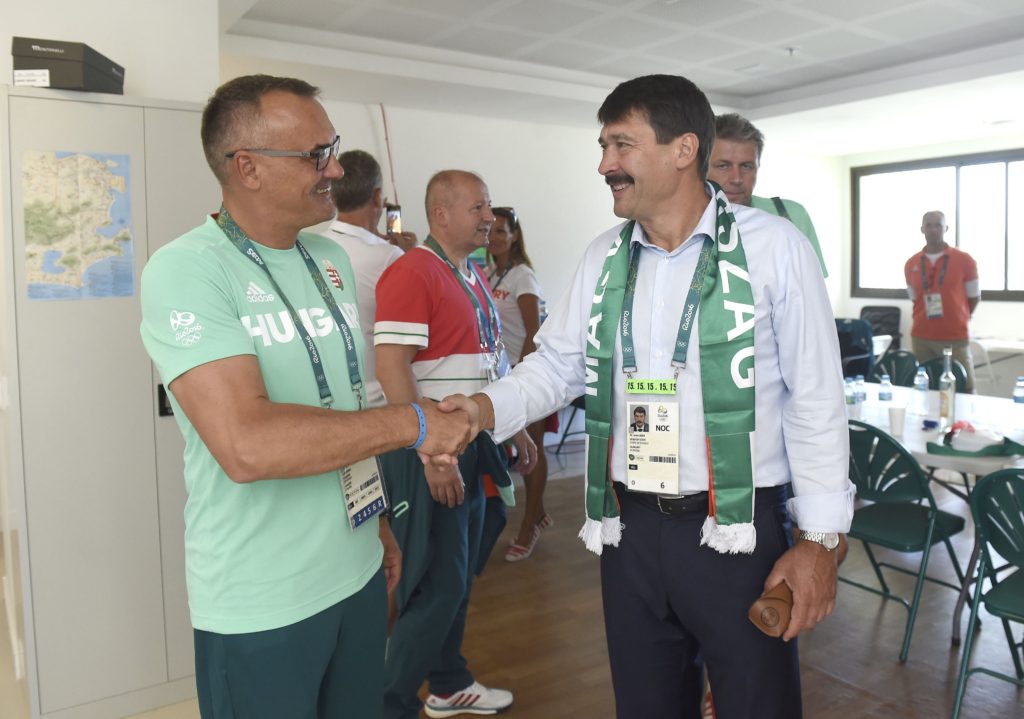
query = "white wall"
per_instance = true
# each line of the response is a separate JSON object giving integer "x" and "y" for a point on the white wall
{"x": 547, "y": 172}
{"x": 169, "y": 49}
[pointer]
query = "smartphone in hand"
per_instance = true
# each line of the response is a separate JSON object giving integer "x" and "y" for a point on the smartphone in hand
{"x": 393, "y": 220}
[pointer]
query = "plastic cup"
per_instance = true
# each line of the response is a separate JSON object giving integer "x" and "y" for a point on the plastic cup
{"x": 897, "y": 417}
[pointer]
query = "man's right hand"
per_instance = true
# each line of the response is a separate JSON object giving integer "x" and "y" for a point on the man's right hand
{"x": 405, "y": 241}
{"x": 448, "y": 432}
{"x": 470, "y": 405}
{"x": 445, "y": 483}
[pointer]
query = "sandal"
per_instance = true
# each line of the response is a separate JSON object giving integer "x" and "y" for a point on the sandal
{"x": 517, "y": 552}
{"x": 545, "y": 522}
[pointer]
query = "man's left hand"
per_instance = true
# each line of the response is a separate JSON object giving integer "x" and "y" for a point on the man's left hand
{"x": 526, "y": 450}
{"x": 810, "y": 571}
{"x": 392, "y": 555}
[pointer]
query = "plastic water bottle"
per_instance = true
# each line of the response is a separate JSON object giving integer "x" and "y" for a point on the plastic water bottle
{"x": 885, "y": 389}
{"x": 860, "y": 391}
{"x": 852, "y": 407}
{"x": 921, "y": 392}
{"x": 947, "y": 391}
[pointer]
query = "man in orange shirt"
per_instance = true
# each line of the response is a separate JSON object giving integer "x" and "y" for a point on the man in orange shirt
{"x": 942, "y": 282}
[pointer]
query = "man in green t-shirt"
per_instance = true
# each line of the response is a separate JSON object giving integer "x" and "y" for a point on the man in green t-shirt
{"x": 254, "y": 328}
{"x": 735, "y": 157}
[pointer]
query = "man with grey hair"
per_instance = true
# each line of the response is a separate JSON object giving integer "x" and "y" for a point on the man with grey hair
{"x": 247, "y": 319}
{"x": 359, "y": 197}
{"x": 735, "y": 158}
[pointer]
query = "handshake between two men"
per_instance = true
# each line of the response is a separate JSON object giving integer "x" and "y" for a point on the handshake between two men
{"x": 451, "y": 425}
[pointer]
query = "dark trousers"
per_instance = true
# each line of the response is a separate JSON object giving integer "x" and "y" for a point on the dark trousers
{"x": 670, "y": 603}
{"x": 329, "y": 666}
{"x": 495, "y": 519}
{"x": 440, "y": 548}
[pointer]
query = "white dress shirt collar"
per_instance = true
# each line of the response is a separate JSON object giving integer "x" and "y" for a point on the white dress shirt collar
{"x": 705, "y": 226}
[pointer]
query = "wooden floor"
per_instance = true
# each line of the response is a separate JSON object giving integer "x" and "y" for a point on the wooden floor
{"x": 535, "y": 627}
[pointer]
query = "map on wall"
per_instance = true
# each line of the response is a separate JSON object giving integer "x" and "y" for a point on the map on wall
{"x": 78, "y": 219}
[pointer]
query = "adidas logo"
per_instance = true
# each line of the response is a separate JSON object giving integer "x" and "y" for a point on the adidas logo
{"x": 255, "y": 293}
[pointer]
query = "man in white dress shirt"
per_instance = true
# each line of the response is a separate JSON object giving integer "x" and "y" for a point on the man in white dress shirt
{"x": 673, "y": 310}
{"x": 359, "y": 198}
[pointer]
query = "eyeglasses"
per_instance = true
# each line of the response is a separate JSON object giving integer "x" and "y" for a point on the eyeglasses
{"x": 321, "y": 154}
{"x": 509, "y": 214}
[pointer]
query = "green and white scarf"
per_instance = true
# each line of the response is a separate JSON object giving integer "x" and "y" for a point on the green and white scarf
{"x": 726, "y": 333}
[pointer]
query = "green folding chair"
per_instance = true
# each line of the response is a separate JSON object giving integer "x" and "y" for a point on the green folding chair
{"x": 900, "y": 365}
{"x": 935, "y": 367}
{"x": 997, "y": 505}
{"x": 902, "y": 515}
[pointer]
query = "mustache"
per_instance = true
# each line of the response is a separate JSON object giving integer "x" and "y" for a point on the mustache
{"x": 617, "y": 179}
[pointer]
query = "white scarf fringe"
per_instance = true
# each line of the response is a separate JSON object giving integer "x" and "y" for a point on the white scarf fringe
{"x": 596, "y": 534}
{"x": 728, "y": 538}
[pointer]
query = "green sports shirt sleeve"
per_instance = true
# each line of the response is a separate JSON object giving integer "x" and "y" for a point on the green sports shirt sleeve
{"x": 188, "y": 317}
{"x": 798, "y": 215}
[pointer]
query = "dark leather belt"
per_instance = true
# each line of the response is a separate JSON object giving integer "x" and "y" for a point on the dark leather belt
{"x": 696, "y": 504}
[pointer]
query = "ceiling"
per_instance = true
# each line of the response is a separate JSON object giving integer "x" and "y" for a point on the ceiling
{"x": 844, "y": 69}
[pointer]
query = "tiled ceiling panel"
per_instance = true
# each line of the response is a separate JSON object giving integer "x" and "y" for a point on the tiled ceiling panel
{"x": 568, "y": 54}
{"x": 404, "y": 27}
{"x": 623, "y": 33}
{"x": 847, "y": 10}
{"x": 770, "y": 27}
{"x": 702, "y": 47}
{"x": 540, "y": 16}
{"x": 908, "y": 23}
{"x": 451, "y": 8}
{"x": 487, "y": 41}
{"x": 698, "y": 13}
{"x": 315, "y": 13}
{"x": 625, "y": 38}
{"x": 836, "y": 44}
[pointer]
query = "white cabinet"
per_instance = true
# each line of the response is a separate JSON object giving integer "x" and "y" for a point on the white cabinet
{"x": 94, "y": 475}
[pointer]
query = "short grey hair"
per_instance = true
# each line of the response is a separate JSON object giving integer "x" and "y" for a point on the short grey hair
{"x": 739, "y": 129}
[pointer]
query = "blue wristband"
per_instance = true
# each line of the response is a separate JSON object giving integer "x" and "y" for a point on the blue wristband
{"x": 423, "y": 426}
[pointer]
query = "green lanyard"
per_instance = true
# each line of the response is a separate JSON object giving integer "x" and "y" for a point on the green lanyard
{"x": 240, "y": 240}
{"x": 488, "y": 326}
{"x": 924, "y": 272}
{"x": 500, "y": 277}
{"x": 685, "y": 320}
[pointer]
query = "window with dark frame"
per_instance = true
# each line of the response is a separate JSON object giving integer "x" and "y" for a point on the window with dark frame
{"x": 982, "y": 196}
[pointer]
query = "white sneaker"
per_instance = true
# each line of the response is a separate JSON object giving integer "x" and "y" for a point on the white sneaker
{"x": 474, "y": 699}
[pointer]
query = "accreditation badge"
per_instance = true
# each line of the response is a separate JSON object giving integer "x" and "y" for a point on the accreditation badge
{"x": 652, "y": 446}
{"x": 933, "y": 305}
{"x": 363, "y": 488}
{"x": 504, "y": 366}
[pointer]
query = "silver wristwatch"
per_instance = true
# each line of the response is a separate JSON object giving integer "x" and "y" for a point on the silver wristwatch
{"x": 829, "y": 540}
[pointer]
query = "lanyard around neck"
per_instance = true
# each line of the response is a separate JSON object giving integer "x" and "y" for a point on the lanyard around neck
{"x": 504, "y": 272}
{"x": 686, "y": 320}
{"x": 942, "y": 272}
{"x": 488, "y": 325}
{"x": 246, "y": 246}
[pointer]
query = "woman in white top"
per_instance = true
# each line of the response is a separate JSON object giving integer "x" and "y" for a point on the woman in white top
{"x": 517, "y": 294}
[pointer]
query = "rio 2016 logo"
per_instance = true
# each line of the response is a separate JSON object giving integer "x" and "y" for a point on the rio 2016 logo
{"x": 186, "y": 331}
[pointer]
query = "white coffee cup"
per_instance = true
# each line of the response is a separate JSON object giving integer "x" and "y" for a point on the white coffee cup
{"x": 897, "y": 417}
